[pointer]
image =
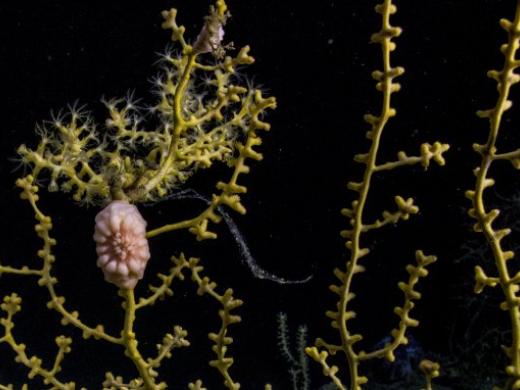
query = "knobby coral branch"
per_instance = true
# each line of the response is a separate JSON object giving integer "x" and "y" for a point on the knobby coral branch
{"x": 485, "y": 219}
{"x": 342, "y": 315}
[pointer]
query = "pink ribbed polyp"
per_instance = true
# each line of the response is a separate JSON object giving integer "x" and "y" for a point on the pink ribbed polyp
{"x": 121, "y": 244}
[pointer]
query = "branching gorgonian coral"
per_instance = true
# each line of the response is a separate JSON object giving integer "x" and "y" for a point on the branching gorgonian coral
{"x": 202, "y": 116}
{"x": 322, "y": 352}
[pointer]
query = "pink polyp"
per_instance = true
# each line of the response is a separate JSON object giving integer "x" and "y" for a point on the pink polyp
{"x": 121, "y": 244}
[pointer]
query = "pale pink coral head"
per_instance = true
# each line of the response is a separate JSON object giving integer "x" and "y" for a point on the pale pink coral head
{"x": 121, "y": 244}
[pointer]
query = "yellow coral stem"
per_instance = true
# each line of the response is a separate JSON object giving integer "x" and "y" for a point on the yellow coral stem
{"x": 221, "y": 339}
{"x": 130, "y": 342}
{"x": 352, "y": 357}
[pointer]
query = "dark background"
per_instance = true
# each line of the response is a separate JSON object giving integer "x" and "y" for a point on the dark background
{"x": 317, "y": 61}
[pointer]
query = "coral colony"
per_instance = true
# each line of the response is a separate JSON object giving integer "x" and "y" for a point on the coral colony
{"x": 198, "y": 124}
{"x": 131, "y": 160}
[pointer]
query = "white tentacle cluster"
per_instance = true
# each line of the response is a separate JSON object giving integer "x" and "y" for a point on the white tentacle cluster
{"x": 121, "y": 244}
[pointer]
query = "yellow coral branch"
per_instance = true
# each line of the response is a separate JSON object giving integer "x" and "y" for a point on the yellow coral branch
{"x": 130, "y": 342}
{"x": 505, "y": 78}
{"x": 387, "y": 87}
{"x": 342, "y": 315}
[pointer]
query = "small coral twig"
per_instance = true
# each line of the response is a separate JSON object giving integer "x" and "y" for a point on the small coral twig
{"x": 160, "y": 292}
{"x": 112, "y": 382}
{"x": 430, "y": 370}
{"x": 12, "y": 305}
{"x": 205, "y": 286}
{"x": 404, "y": 209}
{"x": 403, "y": 311}
{"x": 63, "y": 344}
{"x": 196, "y": 386}
{"x": 169, "y": 342}
{"x": 328, "y": 371}
{"x": 342, "y": 315}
